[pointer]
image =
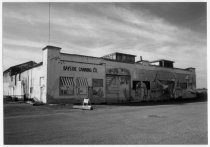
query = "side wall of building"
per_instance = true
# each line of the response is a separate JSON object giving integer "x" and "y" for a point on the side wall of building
{"x": 8, "y": 84}
{"x": 33, "y": 84}
{"x": 72, "y": 78}
{"x": 148, "y": 82}
{"x": 27, "y": 84}
{"x": 12, "y": 85}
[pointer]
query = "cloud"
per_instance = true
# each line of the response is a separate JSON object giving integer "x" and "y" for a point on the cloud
{"x": 96, "y": 29}
{"x": 122, "y": 26}
{"x": 24, "y": 43}
{"x": 14, "y": 55}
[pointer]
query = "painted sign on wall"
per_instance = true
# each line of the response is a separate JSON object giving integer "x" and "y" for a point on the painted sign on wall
{"x": 67, "y": 67}
{"x": 79, "y": 69}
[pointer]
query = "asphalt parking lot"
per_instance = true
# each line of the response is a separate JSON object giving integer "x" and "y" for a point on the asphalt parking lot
{"x": 176, "y": 123}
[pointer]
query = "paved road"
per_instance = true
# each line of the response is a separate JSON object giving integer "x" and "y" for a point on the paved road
{"x": 160, "y": 124}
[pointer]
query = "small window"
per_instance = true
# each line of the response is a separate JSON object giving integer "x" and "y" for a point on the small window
{"x": 41, "y": 81}
{"x": 31, "y": 89}
{"x": 15, "y": 79}
{"x": 123, "y": 58}
{"x": 82, "y": 85}
{"x": 136, "y": 85}
{"x": 19, "y": 77}
{"x": 66, "y": 86}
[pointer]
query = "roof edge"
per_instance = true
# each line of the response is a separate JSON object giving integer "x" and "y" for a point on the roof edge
{"x": 51, "y": 47}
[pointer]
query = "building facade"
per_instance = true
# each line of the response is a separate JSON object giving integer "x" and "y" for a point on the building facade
{"x": 68, "y": 78}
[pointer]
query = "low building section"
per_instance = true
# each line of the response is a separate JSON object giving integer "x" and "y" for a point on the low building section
{"x": 68, "y": 78}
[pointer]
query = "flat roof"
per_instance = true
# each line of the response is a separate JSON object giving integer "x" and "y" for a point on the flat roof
{"x": 125, "y": 54}
{"x": 161, "y": 60}
{"x": 120, "y": 54}
{"x": 80, "y": 55}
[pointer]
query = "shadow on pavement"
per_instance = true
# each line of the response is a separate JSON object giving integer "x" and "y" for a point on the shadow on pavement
{"x": 160, "y": 102}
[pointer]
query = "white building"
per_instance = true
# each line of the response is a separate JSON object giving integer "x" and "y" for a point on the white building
{"x": 68, "y": 78}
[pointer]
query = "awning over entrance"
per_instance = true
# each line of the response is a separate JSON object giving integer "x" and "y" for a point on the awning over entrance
{"x": 67, "y": 81}
{"x": 81, "y": 81}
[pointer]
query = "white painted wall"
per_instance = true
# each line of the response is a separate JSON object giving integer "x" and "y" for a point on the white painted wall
{"x": 51, "y": 71}
{"x": 53, "y": 62}
{"x": 100, "y": 74}
{"x": 34, "y": 81}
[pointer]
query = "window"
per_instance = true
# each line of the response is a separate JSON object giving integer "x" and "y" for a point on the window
{"x": 19, "y": 77}
{"x": 183, "y": 85}
{"x": 123, "y": 58}
{"x": 136, "y": 85}
{"x": 15, "y": 79}
{"x": 119, "y": 58}
{"x": 31, "y": 89}
{"x": 66, "y": 86}
{"x": 82, "y": 85}
{"x": 97, "y": 82}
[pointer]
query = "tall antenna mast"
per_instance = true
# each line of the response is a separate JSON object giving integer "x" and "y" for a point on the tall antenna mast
{"x": 49, "y": 25}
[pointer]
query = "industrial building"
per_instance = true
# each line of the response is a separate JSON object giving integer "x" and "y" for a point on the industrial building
{"x": 117, "y": 77}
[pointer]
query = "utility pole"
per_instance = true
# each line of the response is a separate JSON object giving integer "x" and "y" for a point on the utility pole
{"x": 49, "y": 25}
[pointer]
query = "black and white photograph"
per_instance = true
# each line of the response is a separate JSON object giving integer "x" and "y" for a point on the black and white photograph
{"x": 104, "y": 73}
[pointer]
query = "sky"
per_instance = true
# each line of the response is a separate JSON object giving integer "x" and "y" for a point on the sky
{"x": 173, "y": 31}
